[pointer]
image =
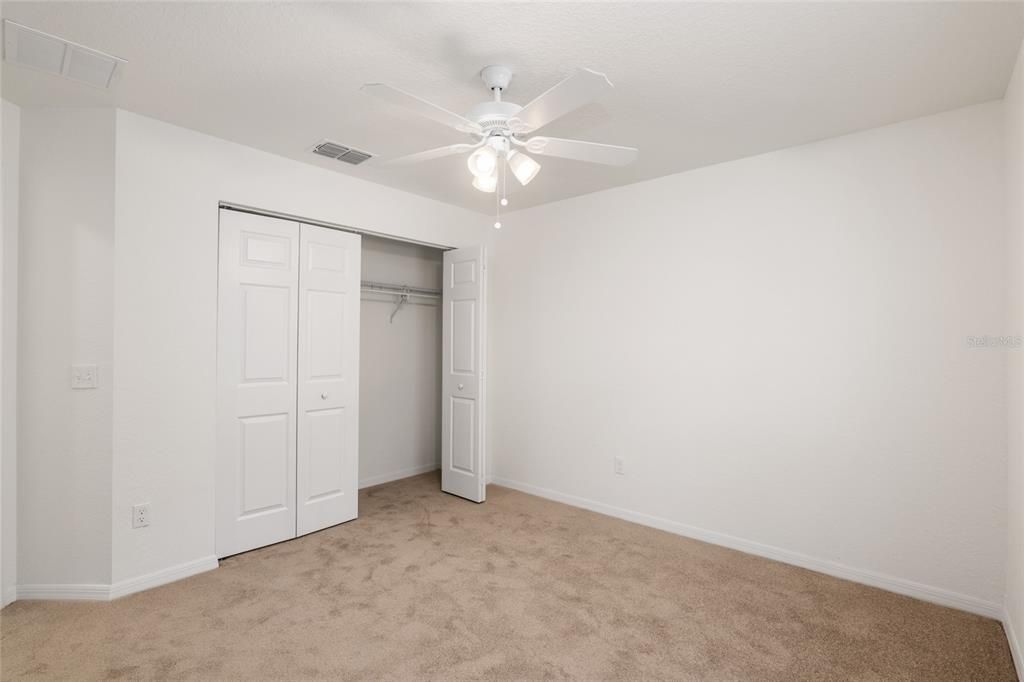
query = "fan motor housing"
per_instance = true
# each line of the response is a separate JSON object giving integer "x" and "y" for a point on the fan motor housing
{"x": 493, "y": 115}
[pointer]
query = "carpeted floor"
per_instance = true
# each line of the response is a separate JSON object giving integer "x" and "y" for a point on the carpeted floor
{"x": 425, "y": 585}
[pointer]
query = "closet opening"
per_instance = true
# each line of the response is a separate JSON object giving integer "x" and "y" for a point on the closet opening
{"x": 399, "y": 360}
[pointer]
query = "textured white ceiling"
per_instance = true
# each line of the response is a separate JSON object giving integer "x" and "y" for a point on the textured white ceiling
{"x": 696, "y": 83}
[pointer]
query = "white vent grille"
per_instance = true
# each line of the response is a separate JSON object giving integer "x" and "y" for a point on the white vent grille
{"x": 28, "y": 47}
{"x": 340, "y": 152}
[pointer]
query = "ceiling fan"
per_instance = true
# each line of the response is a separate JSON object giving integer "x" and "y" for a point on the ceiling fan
{"x": 499, "y": 128}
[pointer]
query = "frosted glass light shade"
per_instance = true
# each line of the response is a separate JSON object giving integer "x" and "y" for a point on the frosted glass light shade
{"x": 482, "y": 162}
{"x": 523, "y": 167}
{"x": 487, "y": 183}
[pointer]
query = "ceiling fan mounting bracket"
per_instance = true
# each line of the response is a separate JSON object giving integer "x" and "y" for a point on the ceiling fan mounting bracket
{"x": 496, "y": 77}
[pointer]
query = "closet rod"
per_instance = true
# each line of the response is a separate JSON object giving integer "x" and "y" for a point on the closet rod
{"x": 382, "y": 288}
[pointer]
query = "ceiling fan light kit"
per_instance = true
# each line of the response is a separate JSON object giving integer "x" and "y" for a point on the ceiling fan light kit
{"x": 498, "y": 126}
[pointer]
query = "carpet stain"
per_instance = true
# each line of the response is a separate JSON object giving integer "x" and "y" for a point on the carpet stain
{"x": 427, "y": 586}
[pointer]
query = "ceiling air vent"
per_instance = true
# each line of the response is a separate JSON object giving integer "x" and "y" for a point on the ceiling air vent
{"x": 28, "y": 47}
{"x": 333, "y": 150}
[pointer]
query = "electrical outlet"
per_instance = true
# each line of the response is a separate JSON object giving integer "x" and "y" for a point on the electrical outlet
{"x": 619, "y": 466}
{"x": 85, "y": 376}
{"x": 140, "y": 515}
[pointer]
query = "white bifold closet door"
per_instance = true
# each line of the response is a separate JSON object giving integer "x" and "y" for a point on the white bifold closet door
{"x": 257, "y": 378}
{"x": 462, "y": 374}
{"x": 328, "y": 419}
{"x": 288, "y": 384}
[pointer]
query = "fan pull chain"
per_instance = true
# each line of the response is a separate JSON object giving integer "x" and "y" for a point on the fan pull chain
{"x": 504, "y": 183}
{"x": 497, "y": 200}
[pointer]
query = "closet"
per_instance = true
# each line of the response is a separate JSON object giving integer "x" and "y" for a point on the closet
{"x": 290, "y": 452}
{"x": 400, "y": 361}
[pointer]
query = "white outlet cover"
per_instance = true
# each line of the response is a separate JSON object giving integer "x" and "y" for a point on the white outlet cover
{"x": 85, "y": 376}
{"x": 140, "y": 515}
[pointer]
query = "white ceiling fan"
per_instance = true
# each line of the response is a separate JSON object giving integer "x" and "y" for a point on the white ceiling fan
{"x": 499, "y": 127}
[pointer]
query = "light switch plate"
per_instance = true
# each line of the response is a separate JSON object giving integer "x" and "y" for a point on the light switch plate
{"x": 85, "y": 376}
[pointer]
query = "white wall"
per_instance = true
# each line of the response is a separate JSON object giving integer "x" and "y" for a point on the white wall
{"x": 777, "y": 347}
{"x": 10, "y": 141}
{"x": 399, "y": 366}
{"x": 169, "y": 183}
{"x": 65, "y": 317}
{"x": 1014, "y": 119}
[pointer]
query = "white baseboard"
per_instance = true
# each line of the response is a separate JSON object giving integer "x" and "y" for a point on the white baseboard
{"x": 1013, "y": 636}
{"x": 81, "y": 592}
{"x": 396, "y": 475}
{"x": 123, "y": 588}
{"x": 902, "y": 586}
{"x": 10, "y": 594}
{"x": 161, "y": 577}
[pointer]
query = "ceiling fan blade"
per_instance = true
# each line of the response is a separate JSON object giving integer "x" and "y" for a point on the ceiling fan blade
{"x": 578, "y": 150}
{"x": 430, "y": 154}
{"x": 572, "y": 93}
{"x": 420, "y": 106}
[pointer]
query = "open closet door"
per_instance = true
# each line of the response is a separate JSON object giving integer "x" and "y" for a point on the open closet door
{"x": 328, "y": 392}
{"x": 462, "y": 374}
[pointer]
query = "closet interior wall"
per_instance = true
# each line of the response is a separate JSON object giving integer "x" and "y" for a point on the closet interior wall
{"x": 399, "y": 365}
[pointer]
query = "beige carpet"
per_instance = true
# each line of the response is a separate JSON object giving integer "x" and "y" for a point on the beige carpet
{"x": 424, "y": 585}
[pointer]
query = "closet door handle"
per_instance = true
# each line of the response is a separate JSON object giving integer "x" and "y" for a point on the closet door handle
{"x": 323, "y": 396}
{"x": 460, "y": 387}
